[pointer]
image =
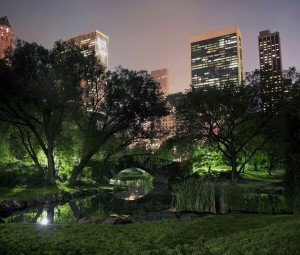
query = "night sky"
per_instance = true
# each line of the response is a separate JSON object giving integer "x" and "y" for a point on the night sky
{"x": 154, "y": 34}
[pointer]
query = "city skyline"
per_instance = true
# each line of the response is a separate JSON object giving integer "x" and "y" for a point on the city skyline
{"x": 155, "y": 34}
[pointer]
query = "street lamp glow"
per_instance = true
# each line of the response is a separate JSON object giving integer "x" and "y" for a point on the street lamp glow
{"x": 44, "y": 221}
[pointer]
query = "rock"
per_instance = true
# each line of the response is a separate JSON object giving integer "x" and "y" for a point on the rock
{"x": 5, "y": 209}
{"x": 122, "y": 220}
{"x": 87, "y": 220}
{"x": 116, "y": 219}
{"x": 164, "y": 215}
{"x": 19, "y": 204}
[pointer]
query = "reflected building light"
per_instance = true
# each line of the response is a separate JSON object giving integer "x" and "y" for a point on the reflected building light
{"x": 133, "y": 196}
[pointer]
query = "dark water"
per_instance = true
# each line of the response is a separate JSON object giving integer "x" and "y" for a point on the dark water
{"x": 100, "y": 206}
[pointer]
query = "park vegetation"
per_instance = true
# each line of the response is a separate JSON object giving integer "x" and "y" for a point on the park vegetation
{"x": 64, "y": 118}
{"x": 66, "y": 122}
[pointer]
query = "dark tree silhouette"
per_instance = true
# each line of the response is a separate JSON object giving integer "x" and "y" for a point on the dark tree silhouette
{"x": 228, "y": 116}
{"x": 39, "y": 89}
{"x": 124, "y": 109}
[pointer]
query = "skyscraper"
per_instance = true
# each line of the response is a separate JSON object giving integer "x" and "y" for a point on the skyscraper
{"x": 7, "y": 36}
{"x": 216, "y": 57}
{"x": 95, "y": 40}
{"x": 270, "y": 58}
{"x": 162, "y": 77}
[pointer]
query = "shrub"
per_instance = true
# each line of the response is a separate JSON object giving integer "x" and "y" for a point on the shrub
{"x": 25, "y": 175}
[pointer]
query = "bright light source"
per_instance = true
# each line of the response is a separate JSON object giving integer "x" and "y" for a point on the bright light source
{"x": 44, "y": 221}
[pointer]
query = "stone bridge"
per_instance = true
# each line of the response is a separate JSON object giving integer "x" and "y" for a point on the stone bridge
{"x": 155, "y": 166}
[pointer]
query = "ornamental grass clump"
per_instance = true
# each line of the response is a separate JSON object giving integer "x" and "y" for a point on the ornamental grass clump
{"x": 223, "y": 197}
{"x": 194, "y": 195}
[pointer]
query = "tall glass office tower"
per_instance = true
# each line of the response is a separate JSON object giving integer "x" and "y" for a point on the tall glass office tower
{"x": 96, "y": 41}
{"x": 216, "y": 57}
{"x": 270, "y": 58}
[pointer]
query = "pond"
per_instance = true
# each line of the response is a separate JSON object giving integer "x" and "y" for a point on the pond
{"x": 134, "y": 193}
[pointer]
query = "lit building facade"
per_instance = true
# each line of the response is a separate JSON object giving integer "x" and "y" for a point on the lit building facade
{"x": 167, "y": 123}
{"x": 95, "y": 40}
{"x": 216, "y": 58}
{"x": 162, "y": 77}
{"x": 6, "y": 36}
{"x": 270, "y": 58}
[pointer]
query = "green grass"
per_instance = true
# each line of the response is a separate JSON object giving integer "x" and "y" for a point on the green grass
{"x": 231, "y": 234}
{"x": 30, "y": 193}
{"x": 263, "y": 176}
{"x": 263, "y": 180}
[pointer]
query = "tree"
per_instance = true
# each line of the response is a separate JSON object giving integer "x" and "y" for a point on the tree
{"x": 291, "y": 138}
{"x": 124, "y": 110}
{"x": 207, "y": 156}
{"x": 228, "y": 116}
{"x": 39, "y": 89}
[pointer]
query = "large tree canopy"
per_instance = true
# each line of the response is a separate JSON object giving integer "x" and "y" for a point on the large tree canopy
{"x": 228, "y": 116}
{"x": 125, "y": 108}
{"x": 38, "y": 89}
{"x": 65, "y": 93}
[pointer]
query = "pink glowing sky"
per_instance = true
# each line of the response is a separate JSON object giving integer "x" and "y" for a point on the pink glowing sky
{"x": 154, "y": 34}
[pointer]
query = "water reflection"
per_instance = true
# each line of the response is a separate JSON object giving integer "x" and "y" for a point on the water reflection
{"x": 100, "y": 206}
{"x": 132, "y": 184}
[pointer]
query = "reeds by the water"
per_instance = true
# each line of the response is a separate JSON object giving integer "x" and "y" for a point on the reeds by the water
{"x": 223, "y": 197}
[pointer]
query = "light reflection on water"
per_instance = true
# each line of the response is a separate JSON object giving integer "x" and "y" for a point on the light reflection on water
{"x": 100, "y": 206}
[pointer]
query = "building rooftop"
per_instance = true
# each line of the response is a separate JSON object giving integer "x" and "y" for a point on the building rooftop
{"x": 266, "y": 32}
{"x": 4, "y": 21}
{"x": 216, "y": 33}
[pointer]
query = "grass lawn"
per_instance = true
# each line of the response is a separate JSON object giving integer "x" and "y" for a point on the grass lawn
{"x": 230, "y": 234}
{"x": 30, "y": 193}
{"x": 261, "y": 179}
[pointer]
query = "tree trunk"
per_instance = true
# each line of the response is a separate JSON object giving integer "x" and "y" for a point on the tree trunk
{"x": 77, "y": 169}
{"x": 208, "y": 170}
{"x": 51, "y": 163}
{"x": 233, "y": 169}
{"x": 271, "y": 165}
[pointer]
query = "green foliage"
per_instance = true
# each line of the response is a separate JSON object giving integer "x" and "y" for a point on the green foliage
{"x": 232, "y": 235}
{"x": 30, "y": 193}
{"x": 124, "y": 103}
{"x": 5, "y": 155}
{"x": 221, "y": 197}
{"x": 291, "y": 130}
{"x": 206, "y": 159}
{"x": 229, "y": 117}
{"x": 133, "y": 174}
{"x": 190, "y": 196}
{"x": 40, "y": 91}
{"x": 23, "y": 176}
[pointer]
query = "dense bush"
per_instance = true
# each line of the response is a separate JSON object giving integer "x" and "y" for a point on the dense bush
{"x": 25, "y": 175}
